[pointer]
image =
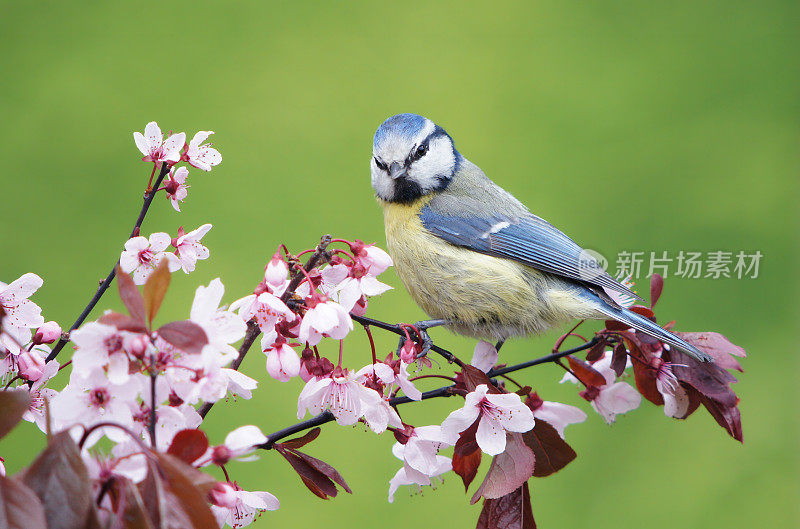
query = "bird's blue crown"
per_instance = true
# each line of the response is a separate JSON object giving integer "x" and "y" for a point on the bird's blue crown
{"x": 406, "y": 126}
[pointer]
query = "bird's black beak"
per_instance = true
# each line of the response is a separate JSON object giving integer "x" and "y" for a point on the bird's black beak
{"x": 397, "y": 171}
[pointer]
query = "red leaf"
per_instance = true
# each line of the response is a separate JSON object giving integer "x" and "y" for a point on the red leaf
{"x": 185, "y": 335}
{"x": 551, "y": 451}
{"x": 707, "y": 378}
{"x": 467, "y": 455}
{"x": 467, "y": 467}
{"x": 60, "y": 480}
{"x": 509, "y": 470}
{"x": 586, "y": 373}
{"x": 726, "y": 416}
{"x": 155, "y": 288}
{"x": 712, "y": 384}
{"x": 512, "y": 511}
{"x": 596, "y": 352}
{"x": 718, "y": 346}
{"x": 656, "y": 287}
{"x": 19, "y": 506}
{"x": 317, "y": 482}
{"x": 182, "y": 492}
{"x": 614, "y": 325}
{"x": 325, "y": 468}
{"x": 619, "y": 359}
{"x": 298, "y": 442}
{"x": 474, "y": 377}
{"x": 123, "y": 322}
{"x": 317, "y": 475}
{"x": 647, "y": 312}
{"x": 129, "y": 509}
{"x": 130, "y": 295}
{"x": 13, "y": 405}
{"x": 645, "y": 376}
{"x": 694, "y": 399}
{"x": 188, "y": 445}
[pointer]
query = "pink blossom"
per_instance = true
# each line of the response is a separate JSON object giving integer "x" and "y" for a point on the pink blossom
{"x": 676, "y": 400}
{"x": 236, "y": 507}
{"x": 276, "y": 274}
{"x": 19, "y": 310}
{"x": 378, "y": 413}
{"x": 202, "y": 156}
{"x": 155, "y": 149}
{"x": 324, "y": 318}
{"x": 419, "y": 453}
{"x": 557, "y": 415}
{"x": 239, "y": 444}
{"x": 103, "y": 468}
{"x": 266, "y": 308}
{"x": 283, "y": 363}
{"x": 374, "y": 259}
{"x": 385, "y": 376}
{"x": 188, "y": 247}
{"x": 222, "y": 327}
{"x": 340, "y": 393}
{"x": 100, "y": 346}
{"x": 418, "y": 480}
{"x": 36, "y": 412}
{"x": 485, "y": 356}
{"x": 47, "y": 333}
{"x": 31, "y": 365}
{"x": 92, "y": 399}
{"x": 141, "y": 256}
{"x": 176, "y": 188}
{"x": 612, "y": 398}
{"x": 498, "y": 413}
{"x": 358, "y": 284}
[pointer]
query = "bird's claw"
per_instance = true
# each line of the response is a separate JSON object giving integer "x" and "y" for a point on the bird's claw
{"x": 420, "y": 329}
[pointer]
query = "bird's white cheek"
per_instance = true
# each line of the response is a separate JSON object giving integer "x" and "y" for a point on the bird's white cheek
{"x": 382, "y": 184}
{"x": 439, "y": 162}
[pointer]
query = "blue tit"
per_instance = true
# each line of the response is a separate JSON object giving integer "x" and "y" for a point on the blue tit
{"x": 472, "y": 256}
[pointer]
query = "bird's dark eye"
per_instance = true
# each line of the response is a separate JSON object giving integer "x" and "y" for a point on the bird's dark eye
{"x": 381, "y": 165}
{"x": 421, "y": 150}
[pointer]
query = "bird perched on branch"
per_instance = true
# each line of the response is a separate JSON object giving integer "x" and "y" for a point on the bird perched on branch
{"x": 473, "y": 256}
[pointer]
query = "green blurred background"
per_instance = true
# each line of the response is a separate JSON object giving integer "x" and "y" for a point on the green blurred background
{"x": 630, "y": 125}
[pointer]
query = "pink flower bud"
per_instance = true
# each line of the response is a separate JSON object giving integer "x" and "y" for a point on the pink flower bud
{"x": 276, "y": 271}
{"x": 31, "y": 367}
{"x": 408, "y": 353}
{"x": 138, "y": 345}
{"x": 222, "y": 495}
{"x": 220, "y": 455}
{"x": 47, "y": 333}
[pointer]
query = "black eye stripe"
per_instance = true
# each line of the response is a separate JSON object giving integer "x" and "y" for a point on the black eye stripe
{"x": 382, "y": 166}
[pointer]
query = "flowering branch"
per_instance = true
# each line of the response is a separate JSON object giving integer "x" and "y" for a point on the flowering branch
{"x": 444, "y": 391}
{"x": 148, "y": 199}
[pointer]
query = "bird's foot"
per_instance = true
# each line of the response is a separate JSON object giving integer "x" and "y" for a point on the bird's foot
{"x": 411, "y": 349}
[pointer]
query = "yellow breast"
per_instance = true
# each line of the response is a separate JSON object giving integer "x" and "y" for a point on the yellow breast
{"x": 485, "y": 296}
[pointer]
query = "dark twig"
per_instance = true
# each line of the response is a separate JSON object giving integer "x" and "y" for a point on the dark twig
{"x": 148, "y": 199}
{"x": 543, "y": 360}
{"x": 445, "y": 391}
{"x": 152, "y": 425}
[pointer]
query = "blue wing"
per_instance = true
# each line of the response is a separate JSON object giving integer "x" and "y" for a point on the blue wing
{"x": 527, "y": 239}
